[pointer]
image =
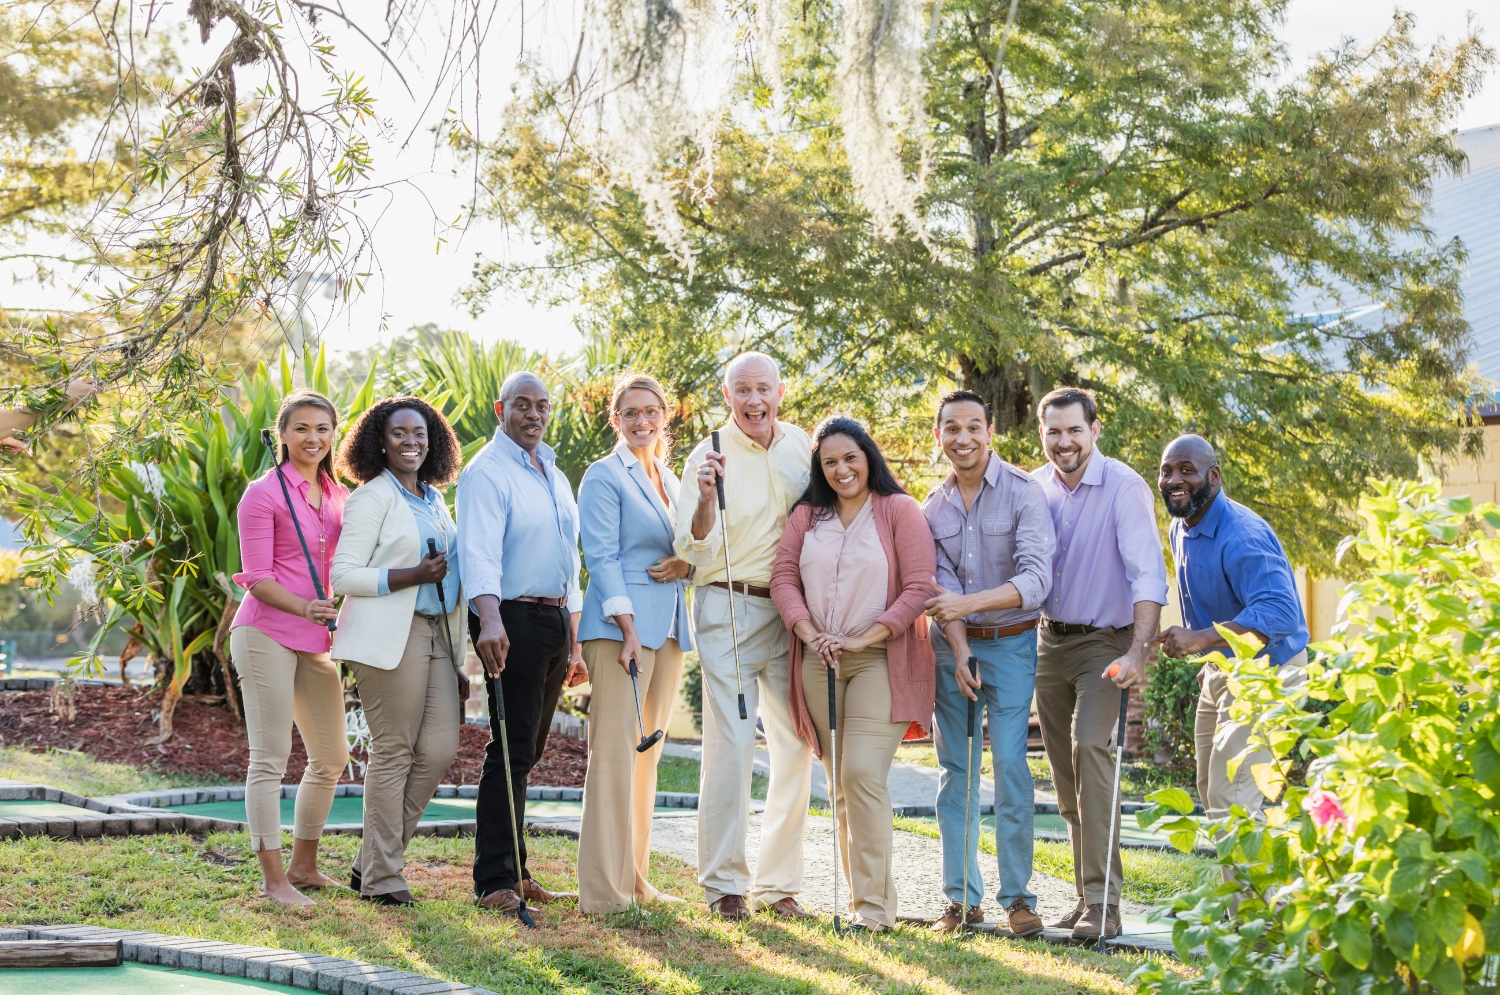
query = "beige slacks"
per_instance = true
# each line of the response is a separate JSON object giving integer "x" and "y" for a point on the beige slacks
{"x": 729, "y": 753}
{"x": 413, "y": 714}
{"x": 619, "y": 791}
{"x": 282, "y": 686}
{"x": 867, "y": 742}
{"x": 1216, "y": 789}
{"x": 1079, "y": 712}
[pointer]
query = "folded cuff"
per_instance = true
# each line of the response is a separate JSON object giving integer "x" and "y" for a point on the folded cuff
{"x": 618, "y": 606}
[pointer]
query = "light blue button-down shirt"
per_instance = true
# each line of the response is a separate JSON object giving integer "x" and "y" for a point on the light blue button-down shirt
{"x": 432, "y": 523}
{"x": 520, "y": 526}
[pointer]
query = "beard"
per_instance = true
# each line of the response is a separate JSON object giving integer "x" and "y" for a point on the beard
{"x": 1197, "y": 500}
{"x": 1068, "y": 462}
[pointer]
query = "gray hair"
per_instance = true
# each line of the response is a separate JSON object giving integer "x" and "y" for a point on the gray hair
{"x": 747, "y": 358}
{"x": 515, "y": 381}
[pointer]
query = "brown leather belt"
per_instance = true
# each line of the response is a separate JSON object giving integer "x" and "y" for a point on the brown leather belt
{"x": 998, "y": 631}
{"x": 750, "y": 589}
{"x": 1057, "y": 628}
{"x": 549, "y": 602}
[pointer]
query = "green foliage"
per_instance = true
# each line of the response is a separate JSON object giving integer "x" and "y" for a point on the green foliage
{"x": 1386, "y": 883}
{"x": 1131, "y": 203}
{"x": 1171, "y": 704}
{"x": 164, "y": 545}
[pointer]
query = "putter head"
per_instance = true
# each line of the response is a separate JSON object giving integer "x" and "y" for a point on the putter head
{"x": 650, "y": 741}
{"x": 525, "y": 916}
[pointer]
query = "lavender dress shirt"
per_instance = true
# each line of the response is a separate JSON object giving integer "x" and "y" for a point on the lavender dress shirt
{"x": 1108, "y": 548}
{"x": 1005, "y": 536}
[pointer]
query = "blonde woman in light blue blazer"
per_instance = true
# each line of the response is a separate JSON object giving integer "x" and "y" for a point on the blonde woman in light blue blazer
{"x": 635, "y": 609}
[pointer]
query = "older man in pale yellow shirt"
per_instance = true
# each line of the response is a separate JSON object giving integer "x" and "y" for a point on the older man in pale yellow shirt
{"x": 765, "y": 465}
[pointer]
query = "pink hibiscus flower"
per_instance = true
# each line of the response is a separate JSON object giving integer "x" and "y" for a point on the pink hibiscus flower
{"x": 1324, "y": 808}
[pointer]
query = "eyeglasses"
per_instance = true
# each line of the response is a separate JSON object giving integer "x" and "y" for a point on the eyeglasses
{"x": 651, "y": 413}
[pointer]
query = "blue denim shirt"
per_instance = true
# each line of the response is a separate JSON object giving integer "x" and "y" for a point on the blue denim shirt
{"x": 433, "y": 523}
{"x": 1231, "y": 568}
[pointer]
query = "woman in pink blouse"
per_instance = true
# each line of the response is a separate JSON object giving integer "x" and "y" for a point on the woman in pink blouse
{"x": 280, "y": 643}
{"x": 853, "y": 571}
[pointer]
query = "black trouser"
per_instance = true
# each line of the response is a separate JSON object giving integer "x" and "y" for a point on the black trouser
{"x": 535, "y": 666}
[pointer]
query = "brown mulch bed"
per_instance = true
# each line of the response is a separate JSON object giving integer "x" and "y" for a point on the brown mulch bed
{"x": 208, "y": 743}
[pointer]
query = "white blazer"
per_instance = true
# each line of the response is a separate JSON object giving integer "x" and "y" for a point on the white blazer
{"x": 380, "y": 532}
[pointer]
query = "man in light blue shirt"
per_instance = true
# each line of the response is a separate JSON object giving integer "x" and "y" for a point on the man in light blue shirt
{"x": 519, "y": 546}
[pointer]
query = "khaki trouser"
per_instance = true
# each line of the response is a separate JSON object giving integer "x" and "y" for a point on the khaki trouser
{"x": 1079, "y": 712}
{"x": 283, "y": 686}
{"x": 619, "y": 791}
{"x": 1215, "y": 788}
{"x": 729, "y": 753}
{"x": 867, "y": 742}
{"x": 413, "y": 714}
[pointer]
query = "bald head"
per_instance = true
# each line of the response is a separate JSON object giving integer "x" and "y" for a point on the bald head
{"x": 1193, "y": 447}
{"x": 524, "y": 409}
{"x": 1189, "y": 477}
{"x": 753, "y": 388}
{"x": 517, "y": 380}
{"x": 758, "y": 362}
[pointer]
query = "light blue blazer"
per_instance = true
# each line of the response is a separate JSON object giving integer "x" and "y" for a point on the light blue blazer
{"x": 625, "y": 529}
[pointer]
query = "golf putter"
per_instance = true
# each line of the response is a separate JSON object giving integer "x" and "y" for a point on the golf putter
{"x": 1114, "y": 817}
{"x": 734, "y": 625}
{"x": 443, "y": 604}
{"x": 510, "y": 796}
{"x": 963, "y": 920}
{"x": 269, "y": 443}
{"x": 833, "y": 794}
{"x": 646, "y": 741}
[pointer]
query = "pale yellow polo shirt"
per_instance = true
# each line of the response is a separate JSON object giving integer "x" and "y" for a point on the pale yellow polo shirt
{"x": 760, "y": 487}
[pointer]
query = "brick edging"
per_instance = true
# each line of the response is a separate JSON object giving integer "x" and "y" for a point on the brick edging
{"x": 312, "y": 972}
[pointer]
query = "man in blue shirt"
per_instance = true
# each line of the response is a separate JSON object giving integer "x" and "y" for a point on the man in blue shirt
{"x": 1231, "y": 570}
{"x": 519, "y": 545}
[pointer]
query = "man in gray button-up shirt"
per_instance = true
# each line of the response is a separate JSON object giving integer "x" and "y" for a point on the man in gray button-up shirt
{"x": 994, "y": 553}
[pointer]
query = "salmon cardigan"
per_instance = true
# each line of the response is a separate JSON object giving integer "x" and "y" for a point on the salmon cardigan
{"x": 912, "y": 562}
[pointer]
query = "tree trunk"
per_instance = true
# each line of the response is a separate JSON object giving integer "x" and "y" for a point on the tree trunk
{"x": 133, "y": 646}
{"x": 164, "y": 722}
{"x": 1011, "y": 387}
{"x": 221, "y": 635}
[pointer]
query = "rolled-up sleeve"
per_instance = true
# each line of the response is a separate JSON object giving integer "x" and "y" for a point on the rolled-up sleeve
{"x": 1035, "y": 542}
{"x": 482, "y": 509}
{"x": 257, "y": 523}
{"x": 599, "y": 523}
{"x": 1140, "y": 544}
{"x": 1261, "y": 578}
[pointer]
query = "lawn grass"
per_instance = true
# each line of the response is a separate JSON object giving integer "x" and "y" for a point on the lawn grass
{"x": 1151, "y": 876}
{"x": 207, "y": 888}
{"x": 681, "y": 774}
{"x": 82, "y": 774}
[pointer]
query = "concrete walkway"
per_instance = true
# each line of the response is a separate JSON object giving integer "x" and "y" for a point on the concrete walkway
{"x": 917, "y": 861}
{"x": 911, "y": 785}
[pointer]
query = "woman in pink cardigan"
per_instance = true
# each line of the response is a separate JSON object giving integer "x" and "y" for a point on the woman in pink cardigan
{"x": 854, "y": 568}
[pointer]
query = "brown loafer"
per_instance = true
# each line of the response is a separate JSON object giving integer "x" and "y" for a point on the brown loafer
{"x": 1022, "y": 919}
{"x": 536, "y": 893}
{"x": 731, "y": 907}
{"x": 1095, "y": 922}
{"x": 501, "y": 900}
{"x": 1071, "y": 919}
{"x": 788, "y": 908}
{"x": 948, "y": 922}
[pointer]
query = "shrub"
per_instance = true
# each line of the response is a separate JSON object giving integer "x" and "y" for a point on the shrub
{"x": 1380, "y": 875}
{"x": 1170, "y": 700}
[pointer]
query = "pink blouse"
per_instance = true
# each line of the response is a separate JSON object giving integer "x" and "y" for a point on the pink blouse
{"x": 269, "y": 549}
{"x": 844, "y": 573}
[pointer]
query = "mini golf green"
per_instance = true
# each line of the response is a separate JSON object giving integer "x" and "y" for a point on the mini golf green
{"x": 35, "y": 809}
{"x": 128, "y": 979}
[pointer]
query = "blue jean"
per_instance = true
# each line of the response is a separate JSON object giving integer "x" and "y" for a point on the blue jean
{"x": 1007, "y": 673}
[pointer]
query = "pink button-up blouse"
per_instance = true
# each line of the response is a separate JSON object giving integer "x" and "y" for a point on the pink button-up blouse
{"x": 269, "y": 549}
{"x": 844, "y": 573}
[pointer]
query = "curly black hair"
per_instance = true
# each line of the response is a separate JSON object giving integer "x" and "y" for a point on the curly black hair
{"x": 362, "y": 458}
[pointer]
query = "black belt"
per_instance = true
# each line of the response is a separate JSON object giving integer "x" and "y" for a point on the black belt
{"x": 1057, "y": 628}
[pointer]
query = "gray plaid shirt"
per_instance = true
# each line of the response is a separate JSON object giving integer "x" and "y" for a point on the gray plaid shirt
{"x": 1006, "y": 536}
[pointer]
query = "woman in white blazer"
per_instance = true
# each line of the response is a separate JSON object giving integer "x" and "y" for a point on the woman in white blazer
{"x": 400, "y": 627}
{"x": 635, "y": 609}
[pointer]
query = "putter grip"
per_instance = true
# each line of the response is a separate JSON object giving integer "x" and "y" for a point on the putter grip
{"x": 974, "y": 671}
{"x": 499, "y": 699}
{"x": 833, "y": 704}
{"x": 718, "y": 478}
{"x": 1124, "y": 704}
{"x": 431, "y": 547}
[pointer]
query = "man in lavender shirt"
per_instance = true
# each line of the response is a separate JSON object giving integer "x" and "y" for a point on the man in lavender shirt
{"x": 994, "y": 550}
{"x": 1109, "y": 581}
